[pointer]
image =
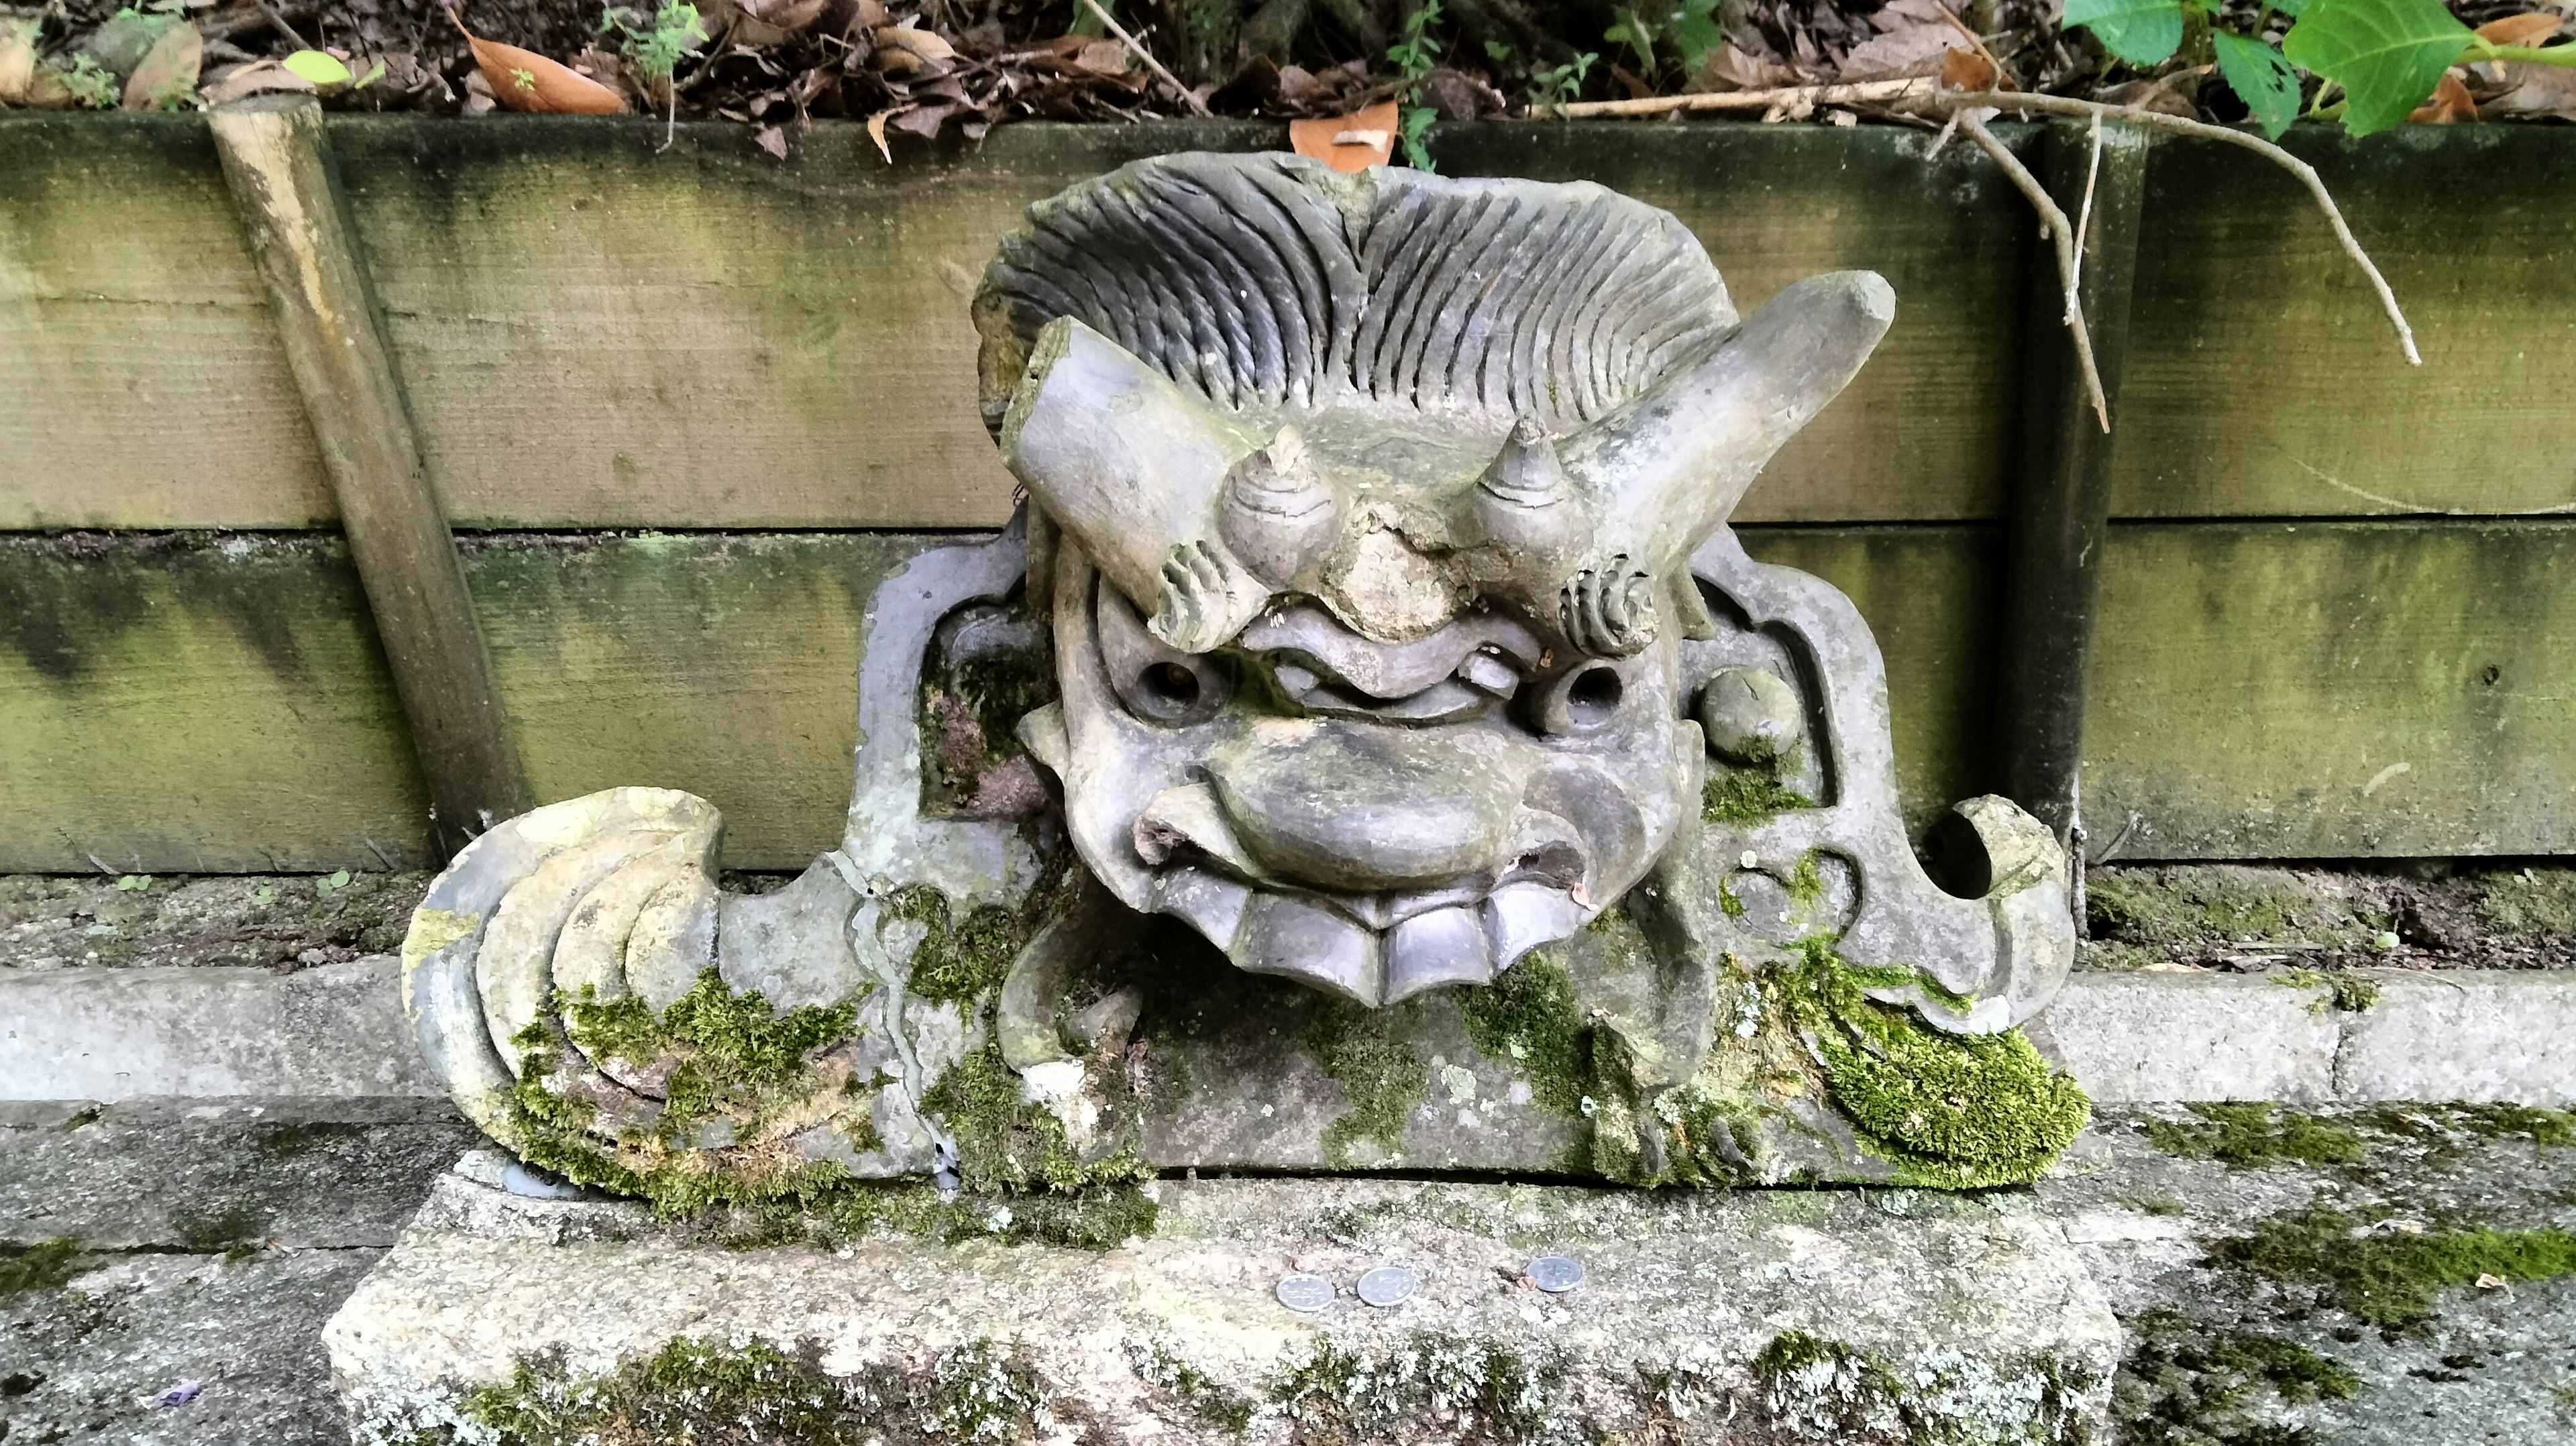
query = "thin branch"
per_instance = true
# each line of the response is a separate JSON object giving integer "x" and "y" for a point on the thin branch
{"x": 2063, "y": 233}
{"x": 2084, "y": 214}
{"x": 2179, "y": 125}
{"x": 1921, "y": 87}
{"x": 1137, "y": 49}
{"x": 278, "y": 20}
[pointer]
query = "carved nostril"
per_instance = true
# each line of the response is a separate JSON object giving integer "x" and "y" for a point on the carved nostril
{"x": 1584, "y": 701}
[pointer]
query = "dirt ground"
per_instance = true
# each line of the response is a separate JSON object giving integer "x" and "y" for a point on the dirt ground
{"x": 2249, "y": 918}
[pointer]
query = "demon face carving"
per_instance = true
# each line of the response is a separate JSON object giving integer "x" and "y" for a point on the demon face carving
{"x": 1364, "y": 514}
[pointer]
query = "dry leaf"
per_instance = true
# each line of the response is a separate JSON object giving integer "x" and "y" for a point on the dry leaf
{"x": 872, "y": 15}
{"x": 1914, "y": 50}
{"x": 17, "y": 59}
{"x": 525, "y": 80}
{"x": 2451, "y": 103}
{"x": 1353, "y": 142}
{"x": 786, "y": 15}
{"x": 1966, "y": 70}
{"x": 259, "y": 77}
{"x": 923, "y": 120}
{"x": 167, "y": 78}
{"x": 922, "y": 45}
{"x": 877, "y": 128}
{"x": 2493, "y": 1282}
{"x": 2537, "y": 90}
{"x": 1102, "y": 57}
{"x": 2531, "y": 29}
{"x": 773, "y": 140}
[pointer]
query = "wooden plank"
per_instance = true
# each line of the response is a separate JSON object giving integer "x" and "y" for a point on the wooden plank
{"x": 1929, "y": 596}
{"x": 181, "y": 703}
{"x": 1924, "y": 433}
{"x": 144, "y": 381}
{"x": 2268, "y": 690}
{"x": 2262, "y": 379}
{"x": 277, "y": 162}
{"x": 726, "y": 666}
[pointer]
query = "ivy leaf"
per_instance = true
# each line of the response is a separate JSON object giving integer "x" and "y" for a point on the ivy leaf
{"x": 2386, "y": 54}
{"x": 2260, "y": 78}
{"x": 2141, "y": 32}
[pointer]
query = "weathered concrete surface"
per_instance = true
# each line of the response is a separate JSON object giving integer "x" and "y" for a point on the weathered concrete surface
{"x": 115, "y": 1034}
{"x": 2462, "y": 1036}
{"x": 2132, "y": 1037}
{"x": 1974, "y": 1309}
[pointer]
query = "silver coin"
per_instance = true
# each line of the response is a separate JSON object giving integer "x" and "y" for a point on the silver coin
{"x": 1307, "y": 1293}
{"x": 1554, "y": 1273}
{"x": 1387, "y": 1285}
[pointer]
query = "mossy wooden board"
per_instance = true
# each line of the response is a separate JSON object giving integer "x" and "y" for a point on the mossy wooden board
{"x": 184, "y": 704}
{"x": 2263, "y": 380}
{"x": 141, "y": 381}
{"x": 2268, "y": 690}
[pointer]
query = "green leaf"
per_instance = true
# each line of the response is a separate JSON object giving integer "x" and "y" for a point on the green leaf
{"x": 2260, "y": 78}
{"x": 2141, "y": 32}
{"x": 1633, "y": 32}
{"x": 2290, "y": 8}
{"x": 1696, "y": 33}
{"x": 318, "y": 67}
{"x": 2386, "y": 54}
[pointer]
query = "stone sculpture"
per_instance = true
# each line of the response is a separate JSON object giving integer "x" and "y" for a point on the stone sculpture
{"x": 1369, "y": 746}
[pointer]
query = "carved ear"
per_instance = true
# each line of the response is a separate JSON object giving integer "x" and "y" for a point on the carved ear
{"x": 1128, "y": 463}
{"x": 1664, "y": 470}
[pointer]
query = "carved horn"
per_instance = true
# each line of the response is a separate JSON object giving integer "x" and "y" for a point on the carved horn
{"x": 1279, "y": 515}
{"x": 1128, "y": 463}
{"x": 1664, "y": 470}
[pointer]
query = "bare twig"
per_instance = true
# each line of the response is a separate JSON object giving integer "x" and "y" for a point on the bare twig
{"x": 1136, "y": 48}
{"x": 2053, "y": 217}
{"x": 2180, "y": 125}
{"x": 1921, "y": 87}
{"x": 2084, "y": 214}
{"x": 279, "y": 20}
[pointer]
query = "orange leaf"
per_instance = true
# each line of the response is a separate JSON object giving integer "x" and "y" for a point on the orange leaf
{"x": 2529, "y": 29}
{"x": 1966, "y": 70}
{"x": 2451, "y": 102}
{"x": 1353, "y": 142}
{"x": 167, "y": 78}
{"x": 525, "y": 80}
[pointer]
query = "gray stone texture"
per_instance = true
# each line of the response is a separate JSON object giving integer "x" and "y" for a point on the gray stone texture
{"x": 1975, "y": 1308}
{"x": 2137, "y": 1037}
{"x": 2462, "y": 1035}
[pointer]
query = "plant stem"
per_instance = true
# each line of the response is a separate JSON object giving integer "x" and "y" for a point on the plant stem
{"x": 2558, "y": 55}
{"x": 2061, "y": 231}
{"x": 1137, "y": 49}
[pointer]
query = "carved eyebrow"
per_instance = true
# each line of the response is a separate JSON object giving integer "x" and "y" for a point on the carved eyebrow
{"x": 1387, "y": 670}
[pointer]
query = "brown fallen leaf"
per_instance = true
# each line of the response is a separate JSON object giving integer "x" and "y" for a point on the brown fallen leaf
{"x": 1914, "y": 50}
{"x": 1102, "y": 57}
{"x": 877, "y": 129}
{"x": 1354, "y": 142}
{"x": 2531, "y": 29}
{"x": 2451, "y": 104}
{"x": 259, "y": 77}
{"x": 167, "y": 78}
{"x": 772, "y": 139}
{"x": 525, "y": 80}
{"x": 904, "y": 50}
{"x": 2537, "y": 90}
{"x": 1966, "y": 70}
{"x": 18, "y": 58}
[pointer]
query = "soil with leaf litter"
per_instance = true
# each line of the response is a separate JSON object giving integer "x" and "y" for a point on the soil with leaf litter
{"x": 924, "y": 66}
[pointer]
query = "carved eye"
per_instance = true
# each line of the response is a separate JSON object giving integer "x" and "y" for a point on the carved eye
{"x": 1585, "y": 700}
{"x": 1155, "y": 682}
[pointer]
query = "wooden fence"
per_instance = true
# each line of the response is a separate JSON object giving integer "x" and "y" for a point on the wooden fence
{"x": 2338, "y": 617}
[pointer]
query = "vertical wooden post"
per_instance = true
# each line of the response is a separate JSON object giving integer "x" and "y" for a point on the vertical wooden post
{"x": 276, "y": 159}
{"x": 2061, "y": 503}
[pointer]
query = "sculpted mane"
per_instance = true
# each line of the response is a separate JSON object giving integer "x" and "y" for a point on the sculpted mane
{"x": 1276, "y": 283}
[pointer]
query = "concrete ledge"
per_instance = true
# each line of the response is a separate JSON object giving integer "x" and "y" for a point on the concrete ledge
{"x": 118, "y": 1034}
{"x": 338, "y": 1030}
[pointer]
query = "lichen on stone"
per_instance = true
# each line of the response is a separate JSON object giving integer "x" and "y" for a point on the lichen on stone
{"x": 1466, "y": 1390}
{"x": 1948, "y": 1110}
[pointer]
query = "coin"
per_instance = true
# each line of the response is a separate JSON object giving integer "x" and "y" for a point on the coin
{"x": 1301, "y": 1292}
{"x": 1387, "y": 1285}
{"x": 1554, "y": 1273}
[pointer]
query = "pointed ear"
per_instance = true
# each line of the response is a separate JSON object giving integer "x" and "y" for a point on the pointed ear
{"x": 1664, "y": 470}
{"x": 1128, "y": 463}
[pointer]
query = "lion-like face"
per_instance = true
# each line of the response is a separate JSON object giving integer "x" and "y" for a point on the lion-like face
{"x": 1374, "y": 819}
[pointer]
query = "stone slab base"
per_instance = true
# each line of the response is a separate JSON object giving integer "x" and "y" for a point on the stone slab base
{"x": 1754, "y": 1317}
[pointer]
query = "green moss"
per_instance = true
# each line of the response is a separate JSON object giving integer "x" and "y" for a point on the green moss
{"x": 961, "y": 963}
{"x": 288, "y": 1141}
{"x": 1806, "y": 882}
{"x": 1746, "y": 796}
{"x": 757, "y": 1392}
{"x": 2251, "y": 1136}
{"x": 2555, "y": 1128}
{"x": 46, "y": 1265}
{"x": 2208, "y": 905}
{"x": 1368, "y": 1051}
{"x": 1528, "y": 1019}
{"x": 1950, "y": 1110}
{"x": 2529, "y": 903}
{"x": 2388, "y": 1277}
{"x": 1005, "y": 1142}
{"x": 1429, "y": 1384}
{"x": 1200, "y": 1394}
{"x": 2190, "y": 1383}
{"x": 2353, "y": 993}
{"x": 233, "y": 1232}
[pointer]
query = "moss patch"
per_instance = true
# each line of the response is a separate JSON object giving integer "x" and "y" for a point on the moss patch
{"x": 46, "y": 1265}
{"x": 2251, "y": 1136}
{"x": 2189, "y": 1383}
{"x": 1950, "y": 1110}
{"x": 1460, "y": 1389}
{"x": 2529, "y": 903}
{"x": 1005, "y": 1142}
{"x": 1528, "y": 1018}
{"x": 1746, "y": 795}
{"x": 1382, "y": 1078}
{"x": 2392, "y": 1278}
{"x": 757, "y": 1392}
